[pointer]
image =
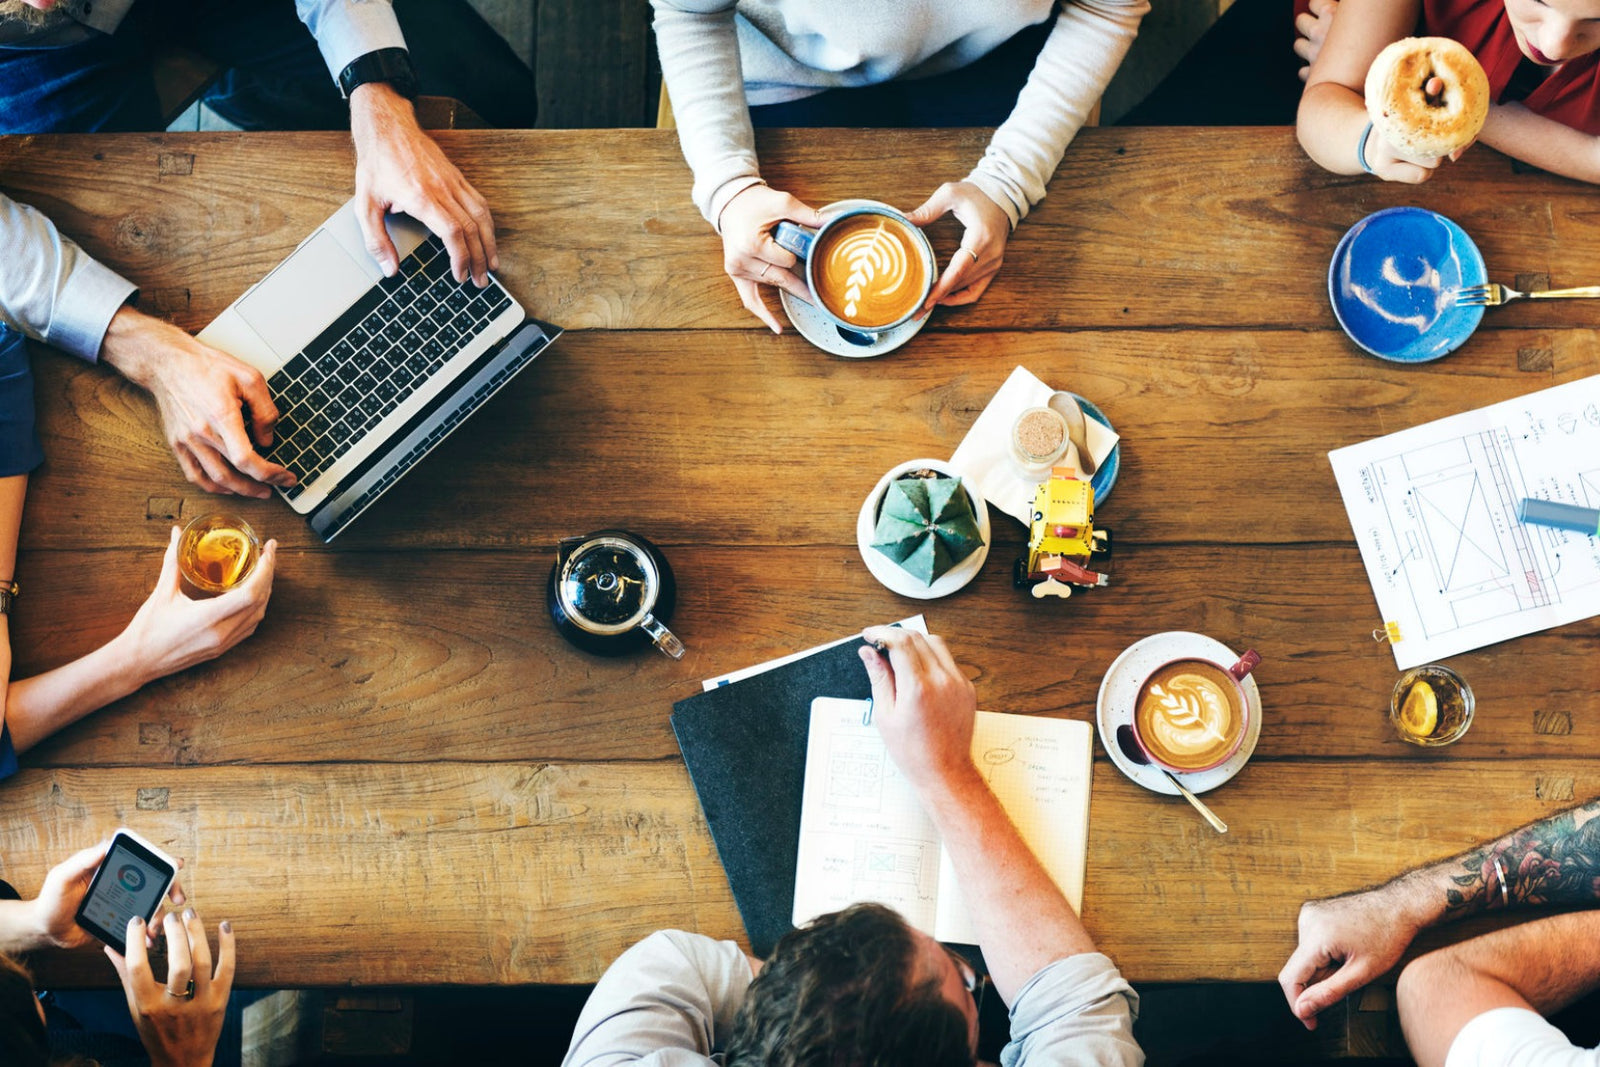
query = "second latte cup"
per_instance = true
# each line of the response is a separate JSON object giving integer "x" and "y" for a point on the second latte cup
{"x": 866, "y": 257}
{"x": 1192, "y": 714}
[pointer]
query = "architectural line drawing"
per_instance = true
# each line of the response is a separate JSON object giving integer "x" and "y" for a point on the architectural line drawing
{"x": 1434, "y": 510}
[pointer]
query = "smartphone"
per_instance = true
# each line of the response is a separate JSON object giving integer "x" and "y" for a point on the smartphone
{"x": 132, "y": 880}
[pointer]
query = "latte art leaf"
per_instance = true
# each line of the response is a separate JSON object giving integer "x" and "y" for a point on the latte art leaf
{"x": 1187, "y": 717}
{"x": 868, "y": 271}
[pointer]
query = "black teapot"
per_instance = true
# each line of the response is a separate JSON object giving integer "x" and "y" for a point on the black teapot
{"x": 611, "y": 592}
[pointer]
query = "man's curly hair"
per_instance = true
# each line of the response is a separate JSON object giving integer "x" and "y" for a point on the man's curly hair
{"x": 840, "y": 992}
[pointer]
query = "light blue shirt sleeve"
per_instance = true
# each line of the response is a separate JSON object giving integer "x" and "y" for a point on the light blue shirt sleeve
{"x": 50, "y": 289}
{"x": 669, "y": 1001}
{"x": 346, "y": 30}
{"x": 1076, "y": 1012}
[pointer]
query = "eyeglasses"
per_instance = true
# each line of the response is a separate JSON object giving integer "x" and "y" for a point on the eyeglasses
{"x": 971, "y": 977}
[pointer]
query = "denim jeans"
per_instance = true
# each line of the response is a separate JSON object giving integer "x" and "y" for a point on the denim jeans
{"x": 274, "y": 77}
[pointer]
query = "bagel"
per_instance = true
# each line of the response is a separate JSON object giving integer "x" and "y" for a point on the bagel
{"x": 1406, "y": 116}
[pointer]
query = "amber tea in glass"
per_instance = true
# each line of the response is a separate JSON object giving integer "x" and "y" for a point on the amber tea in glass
{"x": 1431, "y": 705}
{"x": 217, "y": 552}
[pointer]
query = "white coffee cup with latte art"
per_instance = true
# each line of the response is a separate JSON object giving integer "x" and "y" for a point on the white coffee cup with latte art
{"x": 868, "y": 269}
{"x": 1192, "y": 714}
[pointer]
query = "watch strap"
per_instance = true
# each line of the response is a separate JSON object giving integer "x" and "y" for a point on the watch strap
{"x": 391, "y": 65}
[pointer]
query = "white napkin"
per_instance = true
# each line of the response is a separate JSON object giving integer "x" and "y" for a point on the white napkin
{"x": 984, "y": 457}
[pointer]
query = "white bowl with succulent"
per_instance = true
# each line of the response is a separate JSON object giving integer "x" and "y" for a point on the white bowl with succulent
{"x": 923, "y": 531}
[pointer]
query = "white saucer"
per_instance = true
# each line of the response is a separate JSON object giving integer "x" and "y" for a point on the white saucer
{"x": 821, "y": 331}
{"x": 1120, "y": 689}
{"x": 888, "y": 571}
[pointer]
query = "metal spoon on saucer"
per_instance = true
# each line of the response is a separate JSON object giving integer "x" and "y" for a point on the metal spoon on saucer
{"x": 1131, "y": 749}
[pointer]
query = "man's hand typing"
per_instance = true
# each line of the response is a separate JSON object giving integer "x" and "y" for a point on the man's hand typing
{"x": 214, "y": 408}
{"x": 400, "y": 168}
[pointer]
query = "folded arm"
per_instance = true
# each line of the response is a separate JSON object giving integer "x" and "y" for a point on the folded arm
{"x": 1547, "y": 144}
{"x": 1540, "y": 966}
{"x": 1333, "y": 110}
{"x": 1347, "y": 941}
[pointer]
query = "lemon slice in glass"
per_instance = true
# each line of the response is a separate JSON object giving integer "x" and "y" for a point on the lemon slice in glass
{"x": 1419, "y": 715}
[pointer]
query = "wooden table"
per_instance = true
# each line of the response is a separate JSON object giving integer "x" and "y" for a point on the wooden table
{"x": 407, "y": 777}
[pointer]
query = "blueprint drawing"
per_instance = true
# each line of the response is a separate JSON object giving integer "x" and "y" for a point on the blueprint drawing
{"x": 1434, "y": 510}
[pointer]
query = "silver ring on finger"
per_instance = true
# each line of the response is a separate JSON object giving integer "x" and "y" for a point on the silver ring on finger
{"x": 969, "y": 252}
{"x": 187, "y": 994}
{"x": 764, "y": 268}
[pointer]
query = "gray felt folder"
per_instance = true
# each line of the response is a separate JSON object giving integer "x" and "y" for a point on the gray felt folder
{"x": 745, "y": 747}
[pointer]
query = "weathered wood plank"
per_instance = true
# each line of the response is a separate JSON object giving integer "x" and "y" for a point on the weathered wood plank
{"x": 699, "y": 436}
{"x": 357, "y": 874}
{"x": 448, "y": 655}
{"x": 597, "y": 230}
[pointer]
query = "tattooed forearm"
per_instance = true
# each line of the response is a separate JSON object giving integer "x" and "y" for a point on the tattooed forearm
{"x": 1554, "y": 861}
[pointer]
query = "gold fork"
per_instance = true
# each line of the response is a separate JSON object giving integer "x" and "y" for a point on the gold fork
{"x": 1494, "y": 294}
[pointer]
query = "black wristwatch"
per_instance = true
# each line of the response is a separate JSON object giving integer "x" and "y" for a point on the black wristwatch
{"x": 8, "y": 596}
{"x": 392, "y": 65}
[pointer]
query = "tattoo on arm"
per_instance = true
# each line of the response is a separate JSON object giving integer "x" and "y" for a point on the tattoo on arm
{"x": 1551, "y": 862}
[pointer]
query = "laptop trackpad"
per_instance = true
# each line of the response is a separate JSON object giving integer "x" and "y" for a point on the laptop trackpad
{"x": 310, "y": 289}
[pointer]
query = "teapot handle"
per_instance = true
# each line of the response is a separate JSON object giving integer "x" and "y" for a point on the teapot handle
{"x": 664, "y": 638}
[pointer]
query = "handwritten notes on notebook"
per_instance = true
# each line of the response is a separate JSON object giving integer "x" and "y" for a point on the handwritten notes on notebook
{"x": 864, "y": 836}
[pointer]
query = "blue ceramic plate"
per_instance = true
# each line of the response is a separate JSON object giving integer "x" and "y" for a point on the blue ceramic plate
{"x": 1393, "y": 284}
{"x": 1105, "y": 476}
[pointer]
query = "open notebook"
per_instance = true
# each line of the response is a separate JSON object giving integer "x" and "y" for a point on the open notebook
{"x": 864, "y": 836}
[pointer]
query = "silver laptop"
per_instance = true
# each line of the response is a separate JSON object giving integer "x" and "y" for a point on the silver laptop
{"x": 370, "y": 373}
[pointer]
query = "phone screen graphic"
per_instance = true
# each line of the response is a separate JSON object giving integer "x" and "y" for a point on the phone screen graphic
{"x": 129, "y": 883}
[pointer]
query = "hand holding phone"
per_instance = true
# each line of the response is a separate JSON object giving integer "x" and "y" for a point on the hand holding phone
{"x": 130, "y": 883}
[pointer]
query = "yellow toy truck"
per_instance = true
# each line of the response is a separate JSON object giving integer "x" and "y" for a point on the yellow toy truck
{"x": 1062, "y": 540}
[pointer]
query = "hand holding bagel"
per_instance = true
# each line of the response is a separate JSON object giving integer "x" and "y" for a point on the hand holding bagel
{"x": 1427, "y": 98}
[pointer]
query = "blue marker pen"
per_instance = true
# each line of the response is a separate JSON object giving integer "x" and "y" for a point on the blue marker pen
{"x": 1561, "y": 516}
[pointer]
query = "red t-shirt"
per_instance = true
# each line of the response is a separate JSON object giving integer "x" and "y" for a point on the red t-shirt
{"x": 1570, "y": 95}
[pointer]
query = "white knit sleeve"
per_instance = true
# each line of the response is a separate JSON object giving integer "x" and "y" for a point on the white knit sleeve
{"x": 1081, "y": 54}
{"x": 700, "y": 63}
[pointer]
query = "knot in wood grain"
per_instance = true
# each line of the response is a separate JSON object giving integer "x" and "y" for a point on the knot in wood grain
{"x": 136, "y": 230}
{"x": 152, "y": 799}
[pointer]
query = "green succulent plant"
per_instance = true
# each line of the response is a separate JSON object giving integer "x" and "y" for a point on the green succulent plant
{"x": 926, "y": 525}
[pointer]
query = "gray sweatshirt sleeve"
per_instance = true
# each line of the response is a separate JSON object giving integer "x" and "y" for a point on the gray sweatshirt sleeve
{"x": 699, "y": 47}
{"x": 666, "y": 1002}
{"x": 50, "y": 289}
{"x": 1081, "y": 54}
{"x": 1077, "y": 1012}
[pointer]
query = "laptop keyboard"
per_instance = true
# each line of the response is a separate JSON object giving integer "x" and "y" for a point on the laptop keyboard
{"x": 375, "y": 356}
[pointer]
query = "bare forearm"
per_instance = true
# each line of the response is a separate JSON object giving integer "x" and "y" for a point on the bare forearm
{"x": 20, "y": 929}
{"x": 1543, "y": 965}
{"x": 1543, "y": 142}
{"x": 1329, "y": 125}
{"x": 37, "y": 707}
{"x": 1553, "y": 862}
{"x": 1023, "y": 921}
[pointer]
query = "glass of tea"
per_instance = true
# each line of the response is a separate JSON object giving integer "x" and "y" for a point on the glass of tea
{"x": 217, "y": 552}
{"x": 1431, "y": 705}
